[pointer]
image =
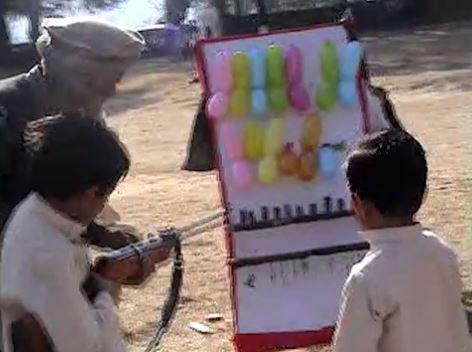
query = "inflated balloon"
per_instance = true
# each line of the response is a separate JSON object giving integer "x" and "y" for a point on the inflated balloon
{"x": 217, "y": 105}
{"x": 287, "y": 161}
{"x": 259, "y": 103}
{"x": 307, "y": 167}
{"x": 327, "y": 162}
{"x": 275, "y": 66}
{"x": 221, "y": 75}
{"x": 240, "y": 70}
{"x": 274, "y": 137}
{"x": 253, "y": 141}
{"x": 232, "y": 140}
{"x": 329, "y": 61}
{"x": 326, "y": 95}
{"x": 293, "y": 65}
{"x": 258, "y": 68}
{"x": 242, "y": 176}
{"x": 311, "y": 133}
{"x": 350, "y": 60}
{"x": 267, "y": 171}
{"x": 238, "y": 103}
{"x": 347, "y": 93}
{"x": 299, "y": 98}
{"x": 278, "y": 99}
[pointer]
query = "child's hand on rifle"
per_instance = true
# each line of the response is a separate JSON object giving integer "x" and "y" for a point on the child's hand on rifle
{"x": 146, "y": 268}
{"x": 95, "y": 284}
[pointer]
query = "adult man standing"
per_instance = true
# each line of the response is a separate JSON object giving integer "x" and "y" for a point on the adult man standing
{"x": 82, "y": 60}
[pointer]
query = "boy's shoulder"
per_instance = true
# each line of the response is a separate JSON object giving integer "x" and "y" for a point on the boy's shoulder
{"x": 439, "y": 245}
{"x": 29, "y": 231}
{"x": 380, "y": 263}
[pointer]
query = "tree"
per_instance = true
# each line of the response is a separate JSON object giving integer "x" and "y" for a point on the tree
{"x": 4, "y": 38}
{"x": 176, "y": 10}
{"x": 34, "y": 8}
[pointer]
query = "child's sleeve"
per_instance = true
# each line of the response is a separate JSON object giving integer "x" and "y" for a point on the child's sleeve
{"x": 360, "y": 323}
{"x": 73, "y": 323}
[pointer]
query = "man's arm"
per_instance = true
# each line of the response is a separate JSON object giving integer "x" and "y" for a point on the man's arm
{"x": 114, "y": 237}
{"x": 360, "y": 323}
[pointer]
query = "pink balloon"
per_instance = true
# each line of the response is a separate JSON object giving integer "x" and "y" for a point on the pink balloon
{"x": 242, "y": 177}
{"x": 221, "y": 79}
{"x": 231, "y": 138}
{"x": 299, "y": 97}
{"x": 293, "y": 65}
{"x": 217, "y": 105}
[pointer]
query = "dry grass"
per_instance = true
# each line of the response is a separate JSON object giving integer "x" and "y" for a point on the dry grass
{"x": 429, "y": 74}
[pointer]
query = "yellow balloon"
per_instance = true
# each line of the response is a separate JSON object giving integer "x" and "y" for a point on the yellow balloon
{"x": 238, "y": 103}
{"x": 253, "y": 141}
{"x": 267, "y": 171}
{"x": 274, "y": 137}
{"x": 311, "y": 133}
{"x": 241, "y": 70}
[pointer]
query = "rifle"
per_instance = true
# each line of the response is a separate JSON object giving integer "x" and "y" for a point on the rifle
{"x": 120, "y": 266}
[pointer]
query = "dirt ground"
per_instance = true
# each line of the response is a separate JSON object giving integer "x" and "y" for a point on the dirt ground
{"x": 428, "y": 72}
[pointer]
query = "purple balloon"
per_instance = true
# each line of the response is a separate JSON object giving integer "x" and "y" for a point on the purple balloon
{"x": 293, "y": 65}
{"x": 217, "y": 106}
{"x": 242, "y": 177}
{"x": 299, "y": 98}
{"x": 232, "y": 141}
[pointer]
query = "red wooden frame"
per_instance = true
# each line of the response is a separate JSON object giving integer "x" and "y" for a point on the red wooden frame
{"x": 265, "y": 342}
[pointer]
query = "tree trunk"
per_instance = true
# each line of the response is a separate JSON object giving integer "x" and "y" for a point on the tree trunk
{"x": 34, "y": 15}
{"x": 175, "y": 10}
{"x": 4, "y": 37}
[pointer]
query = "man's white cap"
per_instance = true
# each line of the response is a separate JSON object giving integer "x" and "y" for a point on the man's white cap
{"x": 90, "y": 38}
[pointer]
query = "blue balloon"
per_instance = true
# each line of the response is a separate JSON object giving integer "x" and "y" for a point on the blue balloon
{"x": 327, "y": 161}
{"x": 259, "y": 103}
{"x": 350, "y": 60}
{"x": 258, "y": 67}
{"x": 347, "y": 93}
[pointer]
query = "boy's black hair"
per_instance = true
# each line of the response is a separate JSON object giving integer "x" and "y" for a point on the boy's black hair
{"x": 389, "y": 169}
{"x": 72, "y": 153}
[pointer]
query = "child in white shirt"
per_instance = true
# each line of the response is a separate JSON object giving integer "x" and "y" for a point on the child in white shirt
{"x": 405, "y": 295}
{"x": 45, "y": 266}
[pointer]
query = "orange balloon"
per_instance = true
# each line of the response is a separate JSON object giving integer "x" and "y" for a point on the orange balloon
{"x": 307, "y": 170}
{"x": 288, "y": 162}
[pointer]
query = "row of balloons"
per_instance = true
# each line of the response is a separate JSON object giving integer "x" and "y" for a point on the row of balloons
{"x": 266, "y": 146}
{"x": 256, "y": 141}
{"x": 272, "y": 79}
{"x": 305, "y": 167}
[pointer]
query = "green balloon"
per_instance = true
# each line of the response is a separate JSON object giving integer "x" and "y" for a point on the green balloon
{"x": 278, "y": 99}
{"x": 329, "y": 61}
{"x": 275, "y": 66}
{"x": 326, "y": 95}
{"x": 240, "y": 69}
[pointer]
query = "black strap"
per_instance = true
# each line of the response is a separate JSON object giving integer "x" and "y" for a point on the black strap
{"x": 172, "y": 299}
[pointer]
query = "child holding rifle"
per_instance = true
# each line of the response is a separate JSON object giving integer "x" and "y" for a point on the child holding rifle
{"x": 45, "y": 271}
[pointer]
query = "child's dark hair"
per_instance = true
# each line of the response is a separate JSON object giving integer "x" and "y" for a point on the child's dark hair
{"x": 73, "y": 153}
{"x": 389, "y": 169}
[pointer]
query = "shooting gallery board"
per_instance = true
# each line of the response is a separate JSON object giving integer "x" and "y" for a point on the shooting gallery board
{"x": 284, "y": 109}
